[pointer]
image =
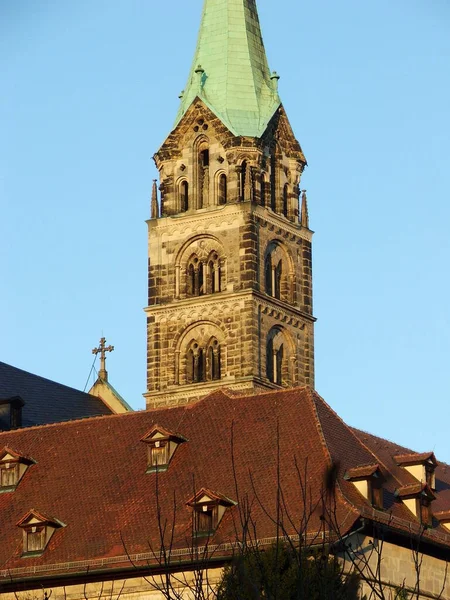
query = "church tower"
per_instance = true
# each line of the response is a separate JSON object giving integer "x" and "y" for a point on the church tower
{"x": 230, "y": 274}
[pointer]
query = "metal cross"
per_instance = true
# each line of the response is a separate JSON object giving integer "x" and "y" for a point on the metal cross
{"x": 102, "y": 350}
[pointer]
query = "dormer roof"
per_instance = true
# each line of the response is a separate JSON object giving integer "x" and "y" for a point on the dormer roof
{"x": 5, "y": 452}
{"x": 415, "y": 458}
{"x": 162, "y": 433}
{"x": 34, "y": 516}
{"x": 363, "y": 472}
{"x": 415, "y": 490}
{"x": 206, "y": 496}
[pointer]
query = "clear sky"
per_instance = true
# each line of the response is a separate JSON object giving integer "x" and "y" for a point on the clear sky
{"x": 89, "y": 90}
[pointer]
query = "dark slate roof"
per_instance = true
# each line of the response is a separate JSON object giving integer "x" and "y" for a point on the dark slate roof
{"x": 236, "y": 446}
{"x": 47, "y": 401}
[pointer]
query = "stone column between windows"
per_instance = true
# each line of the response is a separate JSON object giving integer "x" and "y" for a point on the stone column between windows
{"x": 177, "y": 367}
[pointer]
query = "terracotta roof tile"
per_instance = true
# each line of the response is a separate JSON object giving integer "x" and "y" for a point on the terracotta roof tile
{"x": 92, "y": 475}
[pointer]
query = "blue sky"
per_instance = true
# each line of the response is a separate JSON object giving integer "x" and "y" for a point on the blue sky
{"x": 88, "y": 92}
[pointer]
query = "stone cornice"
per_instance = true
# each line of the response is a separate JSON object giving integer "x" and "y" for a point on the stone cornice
{"x": 211, "y": 300}
{"x": 266, "y": 216}
{"x": 263, "y": 215}
{"x": 194, "y": 217}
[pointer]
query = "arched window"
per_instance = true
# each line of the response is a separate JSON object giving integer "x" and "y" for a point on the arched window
{"x": 184, "y": 196}
{"x": 203, "y": 362}
{"x": 190, "y": 366}
{"x": 214, "y": 360}
{"x": 213, "y": 272}
{"x": 263, "y": 190}
{"x": 203, "y": 175}
{"x": 195, "y": 364}
{"x": 268, "y": 275}
{"x": 277, "y": 370}
{"x": 278, "y": 365}
{"x": 222, "y": 189}
{"x": 273, "y": 273}
{"x": 285, "y": 200}
{"x": 191, "y": 280}
{"x": 195, "y": 279}
{"x": 243, "y": 180}
{"x": 273, "y": 180}
{"x": 276, "y": 287}
{"x": 269, "y": 361}
{"x": 204, "y": 157}
{"x": 279, "y": 274}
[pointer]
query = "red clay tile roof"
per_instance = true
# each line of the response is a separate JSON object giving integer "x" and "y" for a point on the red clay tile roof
{"x": 92, "y": 475}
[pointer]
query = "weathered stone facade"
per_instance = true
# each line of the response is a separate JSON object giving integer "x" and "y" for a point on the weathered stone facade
{"x": 230, "y": 272}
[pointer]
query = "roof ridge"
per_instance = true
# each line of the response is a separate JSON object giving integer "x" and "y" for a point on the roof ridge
{"x": 46, "y": 379}
{"x": 316, "y": 395}
{"x": 70, "y": 422}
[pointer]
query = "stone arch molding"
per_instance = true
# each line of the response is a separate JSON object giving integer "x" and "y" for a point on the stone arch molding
{"x": 205, "y": 336}
{"x": 202, "y": 245}
{"x": 278, "y": 250}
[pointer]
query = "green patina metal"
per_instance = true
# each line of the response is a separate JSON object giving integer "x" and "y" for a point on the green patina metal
{"x": 230, "y": 72}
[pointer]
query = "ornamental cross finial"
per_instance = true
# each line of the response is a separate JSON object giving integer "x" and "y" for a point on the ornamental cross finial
{"x": 102, "y": 350}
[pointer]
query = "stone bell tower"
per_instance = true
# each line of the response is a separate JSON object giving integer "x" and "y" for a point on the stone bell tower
{"x": 230, "y": 274}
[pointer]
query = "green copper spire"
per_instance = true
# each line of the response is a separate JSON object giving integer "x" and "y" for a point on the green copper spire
{"x": 230, "y": 72}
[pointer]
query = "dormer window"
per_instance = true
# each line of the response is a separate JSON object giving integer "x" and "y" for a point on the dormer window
{"x": 417, "y": 498}
{"x": 37, "y": 531}
{"x": 208, "y": 510}
{"x": 421, "y": 466}
{"x": 368, "y": 481}
{"x": 11, "y": 413}
{"x": 161, "y": 446}
{"x": 12, "y": 468}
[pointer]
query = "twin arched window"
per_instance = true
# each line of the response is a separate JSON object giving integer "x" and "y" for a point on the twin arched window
{"x": 277, "y": 369}
{"x": 203, "y": 362}
{"x": 273, "y": 277}
{"x": 279, "y": 273}
{"x": 274, "y": 363}
{"x": 203, "y": 276}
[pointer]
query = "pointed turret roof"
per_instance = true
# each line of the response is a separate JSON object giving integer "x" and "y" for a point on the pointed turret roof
{"x": 230, "y": 72}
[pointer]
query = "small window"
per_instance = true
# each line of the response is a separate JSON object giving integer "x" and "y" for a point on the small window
{"x": 285, "y": 200}
{"x": 184, "y": 196}
{"x": 208, "y": 510}
{"x": 9, "y": 475}
{"x": 223, "y": 189}
{"x": 37, "y": 531}
{"x": 204, "y": 521}
{"x": 161, "y": 446}
{"x": 35, "y": 539}
{"x": 159, "y": 455}
{"x": 13, "y": 467}
{"x": 263, "y": 190}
